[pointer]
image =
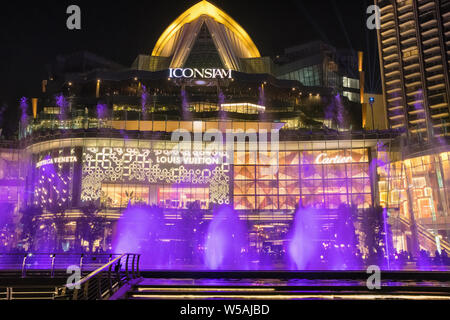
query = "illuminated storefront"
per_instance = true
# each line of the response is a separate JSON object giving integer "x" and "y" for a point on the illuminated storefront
{"x": 301, "y": 177}
{"x": 417, "y": 188}
{"x": 101, "y": 171}
{"x": 106, "y": 139}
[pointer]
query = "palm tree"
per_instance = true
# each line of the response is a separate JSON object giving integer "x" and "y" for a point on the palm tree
{"x": 59, "y": 220}
{"x": 90, "y": 226}
{"x": 193, "y": 226}
{"x": 374, "y": 234}
{"x": 30, "y": 221}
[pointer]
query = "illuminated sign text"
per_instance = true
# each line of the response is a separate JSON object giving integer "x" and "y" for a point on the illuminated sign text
{"x": 69, "y": 159}
{"x": 324, "y": 159}
{"x": 200, "y": 73}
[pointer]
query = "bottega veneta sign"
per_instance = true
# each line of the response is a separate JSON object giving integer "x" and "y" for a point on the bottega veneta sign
{"x": 189, "y": 73}
{"x": 70, "y": 159}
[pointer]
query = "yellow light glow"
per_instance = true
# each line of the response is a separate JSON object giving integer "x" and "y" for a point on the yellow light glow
{"x": 187, "y": 296}
{"x": 360, "y": 61}
{"x": 195, "y": 12}
{"x": 243, "y": 105}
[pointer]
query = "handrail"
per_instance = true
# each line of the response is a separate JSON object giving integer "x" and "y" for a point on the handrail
{"x": 103, "y": 282}
{"x": 94, "y": 273}
{"x": 424, "y": 232}
{"x": 53, "y": 263}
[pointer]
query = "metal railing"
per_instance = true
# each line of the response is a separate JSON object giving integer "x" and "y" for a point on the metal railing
{"x": 53, "y": 264}
{"x": 102, "y": 283}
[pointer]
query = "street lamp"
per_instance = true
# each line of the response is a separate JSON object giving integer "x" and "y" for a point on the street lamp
{"x": 371, "y": 102}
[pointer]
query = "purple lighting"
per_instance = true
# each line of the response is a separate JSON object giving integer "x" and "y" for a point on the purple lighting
{"x": 226, "y": 241}
{"x": 24, "y": 109}
{"x": 302, "y": 249}
{"x": 102, "y": 111}
{"x": 63, "y": 105}
{"x": 145, "y": 101}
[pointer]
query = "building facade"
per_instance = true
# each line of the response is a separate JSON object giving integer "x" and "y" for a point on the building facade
{"x": 254, "y": 137}
{"x": 414, "y": 45}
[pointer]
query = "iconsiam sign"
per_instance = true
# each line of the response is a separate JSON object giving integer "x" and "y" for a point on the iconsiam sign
{"x": 189, "y": 73}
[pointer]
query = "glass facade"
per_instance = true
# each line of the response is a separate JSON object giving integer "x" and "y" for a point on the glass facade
{"x": 11, "y": 177}
{"x": 416, "y": 191}
{"x": 116, "y": 173}
{"x": 302, "y": 177}
{"x": 309, "y": 76}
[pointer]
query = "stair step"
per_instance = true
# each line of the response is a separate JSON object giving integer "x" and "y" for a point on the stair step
{"x": 282, "y": 293}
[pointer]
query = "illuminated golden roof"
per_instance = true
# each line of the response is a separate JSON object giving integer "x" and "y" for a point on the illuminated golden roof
{"x": 230, "y": 38}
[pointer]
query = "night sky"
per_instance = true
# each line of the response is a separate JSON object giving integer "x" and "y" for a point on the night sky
{"x": 32, "y": 35}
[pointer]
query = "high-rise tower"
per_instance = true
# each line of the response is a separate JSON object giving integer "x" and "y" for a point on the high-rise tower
{"x": 414, "y": 45}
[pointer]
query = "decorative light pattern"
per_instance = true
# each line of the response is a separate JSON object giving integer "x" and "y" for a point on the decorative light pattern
{"x": 142, "y": 166}
{"x": 53, "y": 187}
{"x": 300, "y": 178}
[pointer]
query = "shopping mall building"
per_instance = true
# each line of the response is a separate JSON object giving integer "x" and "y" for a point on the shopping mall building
{"x": 107, "y": 135}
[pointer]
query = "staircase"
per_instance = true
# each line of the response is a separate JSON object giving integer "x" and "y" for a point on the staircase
{"x": 272, "y": 289}
{"x": 44, "y": 276}
{"x": 425, "y": 236}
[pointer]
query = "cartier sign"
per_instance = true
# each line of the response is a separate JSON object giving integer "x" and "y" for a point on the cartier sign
{"x": 324, "y": 159}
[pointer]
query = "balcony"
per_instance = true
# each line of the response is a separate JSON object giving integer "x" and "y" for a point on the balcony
{"x": 439, "y": 105}
{"x": 391, "y": 57}
{"x": 388, "y": 24}
{"x": 427, "y": 6}
{"x": 393, "y": 90}
{"x": 429, "y": 23}
{"x": 409, "y": 42}
{"x": 391, "y": 82}
{"x": 408, "y": 32}
{"x": 407, "y": 15}
{"x": 437, "y": 86}
{"x": 400, "y": 116}
{"x": 412, "y": 75}
{"x": 396, "y": 108}
{"x": 392, "y": 65}
{"x": 387, "y": 16}
{"x": 415, "y": 103}
{"x": 388, "y": 41}
{"x": 392, "y": 73}
{"x": 398, "y": 126}
{"x": 388, "y": 33}
{"x": 390, "y": 49}
{"x": 440, "y": 115}
{"x": 413, "y": 84}
{"x": 431, "y": 50}
{"x": 434, "y": 68}
{"x": 411, "y": 66}
{"x": 417, "y": 121}
{"x": 431, "y": 41}
{"x": 436, "y": 77}
{"x": 430, "y": 32}
{"x": 414, "y": 93}
{"x": 394, "y": 99}
{"x": 432, "y": 59}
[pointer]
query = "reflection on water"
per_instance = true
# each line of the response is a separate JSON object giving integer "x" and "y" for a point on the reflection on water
{"x": 284, "y": 283}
